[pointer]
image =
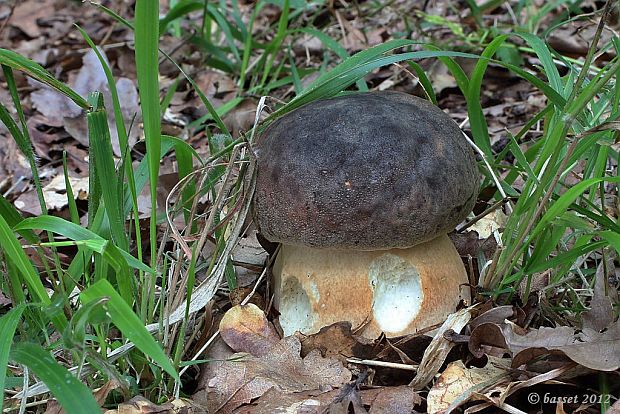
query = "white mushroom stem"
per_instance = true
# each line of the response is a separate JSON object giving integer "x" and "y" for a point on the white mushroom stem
{"x": 397, "y": 291}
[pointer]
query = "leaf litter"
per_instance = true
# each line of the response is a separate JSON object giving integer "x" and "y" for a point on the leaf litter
{"x": 62, "y": 111}
{"x": 240, "y": 381}
{"x": 484, "y": 356}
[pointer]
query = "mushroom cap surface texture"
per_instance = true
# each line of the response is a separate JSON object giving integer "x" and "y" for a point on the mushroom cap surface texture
{"x": 366, "y": 171}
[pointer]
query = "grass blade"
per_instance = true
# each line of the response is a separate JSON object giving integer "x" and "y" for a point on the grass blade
{"x": 147, "y": 68}
{"x": 99, "y": 136}
{"x": 612, "y": 238}
{"x": 274, "y": 47}
{"x": 477, "y": 122}
{"x": 25, "y": 146}
{"x": 346, "y": 73}
{"x": 424, "y": 81}
{"x": 543, "y": 53}
{"x": 78, "y": 233}
{"x": 120, "y": 126}
{"x": 73, "y": 395}
{"x": 201, "y": 95}
{"x": 335, "y": 47}
{"x": 8, "y": 325}
{"x": 36, "y": 71}
{"x": 12, "y": 217}
{"x": 14, "y": 252}
{"x": 128, "y": 323}
{"x": 73, "y": 211}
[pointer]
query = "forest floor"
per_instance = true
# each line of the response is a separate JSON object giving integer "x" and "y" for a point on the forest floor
{"x": 538, "y": 346}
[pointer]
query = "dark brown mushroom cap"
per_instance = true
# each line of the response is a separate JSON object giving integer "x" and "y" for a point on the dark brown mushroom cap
{"x": 367, "y": 171}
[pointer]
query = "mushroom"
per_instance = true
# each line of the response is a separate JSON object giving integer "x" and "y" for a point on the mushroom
{"x": 361, "y": 191}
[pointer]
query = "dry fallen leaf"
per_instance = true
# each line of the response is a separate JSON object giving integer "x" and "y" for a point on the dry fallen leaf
{"x": 53, "y": 407}
{"x": 592, "y": 349}
{"x": 102, "y": 393}
{"x": 241, "y": 119}
{"x": 4, "y": 301}
{"x": 436, "y": 353}
{"x": 54, "y": 106}
{"x": 356, "y": 40}
{"x": 573, "y": 38}
{"x": 538, "y": 379}
{"x": 536, "y": 283}
{"x": 237, "y": 382}
{"x": 246, "y": 329}
{"x": 457, "y": 383}
{"x": 12, "y": 161}
{"x": 91, "y": 77}
{"x": 27, "y": 13}
{"x": 386, "y": 400}
{"x": 348, "y": 401}
{"x": 306, "y": 402}
{"x": 440, "y": 76}
{"x": 601, "y": 312}
{"x": 395, "y": 400}
{"x": 493, "y": 315}
{"x": 337, "y": 341}
{"x": 140, "y": 405}
{"x": 249, "y": 257}
{"x": 55, "y": 192}
{"x": 489, "y": 224}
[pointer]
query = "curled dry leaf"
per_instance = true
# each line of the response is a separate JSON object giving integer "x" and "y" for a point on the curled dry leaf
{"x": 12, "y": 161}
{"x": 573, "y": 38}
{"x": 493, "y": 315}
{"x": 217, "y": 86}
{"x": 601, "y": 312}
{"x": 438, "y": 350}
{"x": 306, "y": 402}
{"x": 239, "y": 381}
{"x": 538, "y": 379}
{"x": 395, "y": 400}
{"x": 140, "y": 405}
{"x": 55, "y": 192}
{"x": 468, "y": 244}
{"x": 102, "y": 393}
{"x": 536, "y": 283}
{"x": 392, "y": 400}
{"x": 337, "y": 341}
{"x": 487, "y": 225}
{"x": 590, "y": 348}
{"x": 246, "y": 329}
{"x": 348, "y": 401}
{"x": 487, "y": 339}
{"x": 4, "y": 301}
{"x": 53, "y": 407}
{"x": 457, "y": 384}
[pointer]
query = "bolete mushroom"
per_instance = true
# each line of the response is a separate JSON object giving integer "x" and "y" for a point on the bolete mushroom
{"x": 361, "y": 191}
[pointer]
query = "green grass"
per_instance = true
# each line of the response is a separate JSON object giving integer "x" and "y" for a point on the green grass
{"x": 131, "y": 296}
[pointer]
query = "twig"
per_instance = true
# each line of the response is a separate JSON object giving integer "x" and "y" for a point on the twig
{"x": 200, "y": 351}
{"x": 383, "y": 364}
